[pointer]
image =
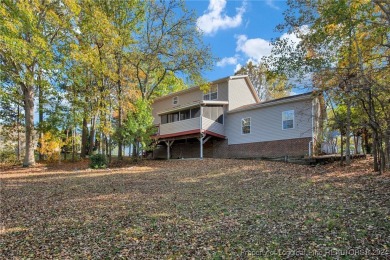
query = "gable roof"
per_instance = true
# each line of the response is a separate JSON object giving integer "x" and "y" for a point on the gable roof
{"x": 305, "y": 96}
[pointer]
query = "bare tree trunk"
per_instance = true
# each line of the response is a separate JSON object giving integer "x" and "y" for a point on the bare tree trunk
{"x": 348, "y": 134}
{"x": 18, "y": 129}
{"x": 84, "y": 138}
{"x": 356, "y": 143}
{"x": 29, "y": 158}
{"x": 92, "y": 136}
{"x": 375, "y": 151}
{"x": 40, "y": 112}
{"x": 119, "y": 91}
{"x": 73, "y": 144}
{"x": 341, "y": 150}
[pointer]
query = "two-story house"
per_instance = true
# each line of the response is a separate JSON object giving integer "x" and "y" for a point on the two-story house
{"x": 229, "y": 121}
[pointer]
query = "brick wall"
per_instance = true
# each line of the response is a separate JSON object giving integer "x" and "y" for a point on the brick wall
{"x": 220, "y": 149}
{"x": 290, "y": 147}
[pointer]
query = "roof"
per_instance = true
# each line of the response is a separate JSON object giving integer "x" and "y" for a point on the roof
{"x": 305, "y": 96}
{"x": 212, "y": 82}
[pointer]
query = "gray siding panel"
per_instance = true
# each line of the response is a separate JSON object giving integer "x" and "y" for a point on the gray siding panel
{"x": 266, "y": 123}
{"x": 180, "y": 126}
{"x": 213, "y": 126}
{"x": 186, "y": 99}
{"x": 166, "y": 104}
{"x": 239, "y": 94}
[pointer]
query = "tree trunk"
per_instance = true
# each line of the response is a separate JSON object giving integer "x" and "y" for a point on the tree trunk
{"x": 341, "y": 150}
{"x": 134, "y": 149}
{"x": 119, "y": 91}
{"x": 84, "y": 138}
{"x": 375, "y": 151}
{"x": 29, "y": 158}
{"x": 40, "y": 113}
{"x": 92, "y": 136}
{"x": 348, "y": 134}
{"x": 73, "y": 144}
{"x": 18, "y": 129}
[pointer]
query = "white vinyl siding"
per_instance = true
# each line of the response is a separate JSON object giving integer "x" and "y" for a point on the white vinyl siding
{"x": 180, "y": 126}
{"x": 246, "y": 125}
{"x": 288, "y": 119}
{"x": 211, "y": 125}
{"x": 239, "y": 94}
{"x": 266, "y": 123}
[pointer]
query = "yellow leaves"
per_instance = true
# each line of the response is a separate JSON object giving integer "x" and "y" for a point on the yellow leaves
{"x": 330, "y": 28}
{"x": 73, "y": 6}
{"x": 50, "y": 146}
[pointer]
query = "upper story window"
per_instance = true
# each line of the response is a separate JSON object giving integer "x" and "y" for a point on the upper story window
{"x": 181, "y": 115}
{"x": 212, "y": 94}
{"x": 246, "y": 125}
{"x": 175, "y": 100}
{"x": 288, "y": 119}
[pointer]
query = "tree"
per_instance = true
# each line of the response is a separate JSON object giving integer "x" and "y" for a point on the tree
{"x": 27, "y": 33}
{"x": 138, "y": 126}
{"x": 169, "y": 43}
{"x": 345, "y": 47}
{"x": 267, "y": 83}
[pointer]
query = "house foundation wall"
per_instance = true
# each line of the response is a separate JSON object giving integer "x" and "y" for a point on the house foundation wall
{"x": 288, "y": 147}
{"x": 221, "y": 149}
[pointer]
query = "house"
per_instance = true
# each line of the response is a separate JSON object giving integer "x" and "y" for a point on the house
{"x": 229, "y": 121}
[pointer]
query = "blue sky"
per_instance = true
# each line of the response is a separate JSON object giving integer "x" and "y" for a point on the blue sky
{"x": 237, "y": 31}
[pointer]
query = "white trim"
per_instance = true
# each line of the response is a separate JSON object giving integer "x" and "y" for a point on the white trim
{"x": 286, "y": 120}
{"x": 250, "y": 125}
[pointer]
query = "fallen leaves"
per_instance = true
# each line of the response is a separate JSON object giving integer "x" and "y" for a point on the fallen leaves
{"x": 213, "y": 208}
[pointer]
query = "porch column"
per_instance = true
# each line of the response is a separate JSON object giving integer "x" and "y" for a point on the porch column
{"x": 201, "y": 145}
{"x": 169, "y": 144}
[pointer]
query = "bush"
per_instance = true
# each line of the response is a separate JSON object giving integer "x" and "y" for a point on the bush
{"x": 8, "y": 157}
{"x": 98, "y": 161}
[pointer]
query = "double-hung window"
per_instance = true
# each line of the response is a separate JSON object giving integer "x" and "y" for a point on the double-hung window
{"x": 288, "y": 119}
{"x": 212, "y": 94}
{"x": 246, "y": 125}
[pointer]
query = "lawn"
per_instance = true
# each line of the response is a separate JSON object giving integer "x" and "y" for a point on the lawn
{"x": 190, "y": 208}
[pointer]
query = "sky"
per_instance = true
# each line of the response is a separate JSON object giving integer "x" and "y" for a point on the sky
{"x": 237, "y": 31}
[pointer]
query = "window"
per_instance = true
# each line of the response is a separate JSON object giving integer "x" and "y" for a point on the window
{"x": 214, "y": 113}
{"x": 164, "y": 119}
{"x": 288, "y": 119}
{"x": 195, "y": 112}
{"x": 246, "y": 125}
{"x": 185, "y": 115}
{"x": 175, "y": 117}
{"x": 212, "y": 94}
{"x": 181, "y": 115}
{"x": 175, "y": 100}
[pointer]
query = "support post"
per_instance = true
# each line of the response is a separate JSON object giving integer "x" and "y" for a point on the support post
{"x": 201, "y": 145}
{"x": 169, "y": 144}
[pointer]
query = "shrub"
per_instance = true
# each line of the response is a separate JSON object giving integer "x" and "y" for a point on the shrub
{"x": 98, "y": 161}
{"x": 8, "y": 157}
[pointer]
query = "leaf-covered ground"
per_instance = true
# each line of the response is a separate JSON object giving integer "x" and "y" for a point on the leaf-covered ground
{"x": 190, "y": 208}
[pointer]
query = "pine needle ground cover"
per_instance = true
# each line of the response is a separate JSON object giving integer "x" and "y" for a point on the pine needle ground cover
{"x": 190, "y": 208}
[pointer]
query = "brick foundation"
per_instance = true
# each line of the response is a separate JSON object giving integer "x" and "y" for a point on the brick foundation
{"x": 217, "y": 148}
{"x": 290, "y": 147}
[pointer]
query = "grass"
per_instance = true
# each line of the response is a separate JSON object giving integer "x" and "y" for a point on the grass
{"x": 212, "y": 209}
